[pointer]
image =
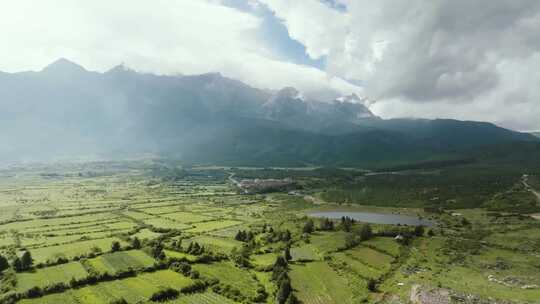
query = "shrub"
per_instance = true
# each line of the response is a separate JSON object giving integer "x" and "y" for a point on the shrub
{"x": 309, "y": 227}
{"x": 34, "y": 292}
{"x": 164, "y": 295}
{"x": 284, "y": 291}
{"x": 3, "y": 263}
{"x": 372, "y": 285}
{"x": 197, "y": 286}
{"x": 419, "y": 230}
{"x": 115, "y": 246}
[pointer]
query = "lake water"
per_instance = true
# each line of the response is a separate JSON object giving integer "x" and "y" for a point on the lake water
{"x": 375, "y": 218}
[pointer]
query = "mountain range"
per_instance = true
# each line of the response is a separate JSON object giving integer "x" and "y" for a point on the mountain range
{"x": 66, "y": 111}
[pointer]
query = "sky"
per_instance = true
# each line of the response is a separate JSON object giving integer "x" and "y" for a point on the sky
{"x": 472, "y": 60}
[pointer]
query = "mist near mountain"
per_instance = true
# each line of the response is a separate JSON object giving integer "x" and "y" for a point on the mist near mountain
{"x": 65, "y": 111}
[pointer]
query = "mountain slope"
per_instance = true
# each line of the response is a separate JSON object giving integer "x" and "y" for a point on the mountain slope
{"x": 65, "y": 111}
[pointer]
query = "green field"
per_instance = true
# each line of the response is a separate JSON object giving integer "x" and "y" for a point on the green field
{"x": 194, "y": 239}
{"x": 50, "y": 276}
{"x": 202, "y": 298}
{"x": 120, "y": 261}
{"x": 133, "y": 290}
{"x": 213, "y": 225}
{"x": 228, "y": 274}
{"x": 71, "y": 250}
{"x": 317, "y": 283}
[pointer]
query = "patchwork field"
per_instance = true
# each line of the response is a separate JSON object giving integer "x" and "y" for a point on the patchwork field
{"x": 144, "y": 232}
{"x": 132, "y": 290}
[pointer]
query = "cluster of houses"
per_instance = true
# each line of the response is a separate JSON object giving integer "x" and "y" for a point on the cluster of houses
{"x": 250, "y": 186}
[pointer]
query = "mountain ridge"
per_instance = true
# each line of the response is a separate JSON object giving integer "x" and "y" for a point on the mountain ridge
{"x": 65, "y": 109}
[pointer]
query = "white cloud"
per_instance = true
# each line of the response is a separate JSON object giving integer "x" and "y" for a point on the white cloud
{"x": 161, "y": 36}
{"x": 312, "y": 23}
{"x": 460, "y": 58}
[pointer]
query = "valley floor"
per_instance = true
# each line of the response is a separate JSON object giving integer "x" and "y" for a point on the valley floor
{"x": 142, "y": 233}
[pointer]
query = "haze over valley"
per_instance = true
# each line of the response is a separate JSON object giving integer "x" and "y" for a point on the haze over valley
{"x": 270, "y": 152}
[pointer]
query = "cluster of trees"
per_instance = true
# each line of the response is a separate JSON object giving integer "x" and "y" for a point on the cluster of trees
{"x": 184, "y": 268}
{"x": 229, "y": 291}
{"x": 326, "y": 225}
{"x": 115, "y": 246}
{"x": 346, "y": 224}
{"x": 164, "y": 295}
{"x": 177, "y": 245}
{"x": 136, "y": 243}
{"x": 267, "y": 228}
{"x": 197, "y": 286}
{"x": 4, "y": 264}
{"x": 241, "y": 257}
{"x": 195, "y": 248}
{"x": 24, "y": 262}
{"x": 357, "y": 235}
{"x": 283, "y": 282}
{"x": 244, "y": 236}
{"x": 404, "y": 235}
{"x": 277, "y": 236}
{"x": 309, "y": 227}
{"x": 156, "y": 251}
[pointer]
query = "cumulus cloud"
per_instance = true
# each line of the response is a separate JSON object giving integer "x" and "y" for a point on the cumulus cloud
{"x": 455, "y": 58}
{"x": 159, "y": 36}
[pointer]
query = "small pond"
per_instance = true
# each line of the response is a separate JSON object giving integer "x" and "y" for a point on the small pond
{"x": 375, "y": 218}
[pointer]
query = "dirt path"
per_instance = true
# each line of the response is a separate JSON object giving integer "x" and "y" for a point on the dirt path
{"x": 533, "y": 191}
{"x": 314, "y": 200}
{"x": 536, "y": 193}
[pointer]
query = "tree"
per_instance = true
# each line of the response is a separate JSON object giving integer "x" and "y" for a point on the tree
{"x": 26, "y": 260}
{"x": 372, "y": 285}
{"x": 17, "y": 264}
{"x": 287, "y": 254}
{"x": 157, "y": 250}
{"x": 240, "y": 257}
{"x": 181, "y": 267}
{"x": 419, "y": 230}
{"x": 73, "y": 282}
{"x": 326, "y": 224}
{"x": 284, "y": 291}
{"x": 279, "y": 270}
{"x": 178, "y": 244}
{"x": 346, "y": 223}
{"x": 164, "y": 294}
{"x": 292, "y": 299}
{"x": 3, "y": 263}
{"x": 115, "y": 246}
{"x": 309, "y": 227}
{"x": 286, "y": 236}
{"x": 136, "y": 243}
{"x": 351, "y": 240}
{"x": 365, "y": 232}
{"x": 240, "y": 235}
